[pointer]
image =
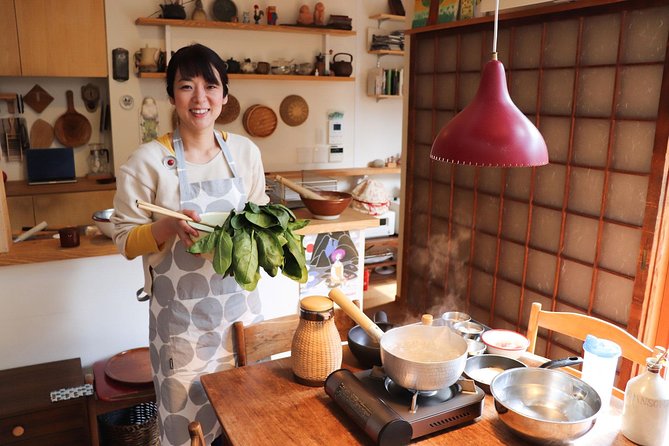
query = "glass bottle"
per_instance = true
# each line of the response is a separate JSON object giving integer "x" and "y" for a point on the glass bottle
{"x": 646, "y": 408}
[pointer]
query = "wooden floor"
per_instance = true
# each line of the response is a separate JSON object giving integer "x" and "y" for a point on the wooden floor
{"x": 380, "y": 292}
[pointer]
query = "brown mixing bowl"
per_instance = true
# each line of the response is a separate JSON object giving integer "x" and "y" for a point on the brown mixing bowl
{"x": 329, "y": 209}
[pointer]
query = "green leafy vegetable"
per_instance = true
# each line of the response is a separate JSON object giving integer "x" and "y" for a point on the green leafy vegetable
{"x": 257, "y": 237}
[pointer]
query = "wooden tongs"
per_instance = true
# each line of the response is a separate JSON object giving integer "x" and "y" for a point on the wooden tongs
{"x": 167, "y": 212}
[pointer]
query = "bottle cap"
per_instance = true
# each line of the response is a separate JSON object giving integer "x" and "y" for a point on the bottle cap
{"x": 601, "y": 347}
{"x": 316, "y": 303}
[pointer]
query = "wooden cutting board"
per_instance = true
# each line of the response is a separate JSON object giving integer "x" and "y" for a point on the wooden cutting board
{"x": 41, "y": 134}
{"x": 72, "y": 129}
{"x": 37, "y": 98}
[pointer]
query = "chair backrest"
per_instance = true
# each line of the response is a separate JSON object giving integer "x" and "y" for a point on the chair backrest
{"x": 196, "y": 435}
{"x": 579, "y": 326}
{"x": 258, "y": 341}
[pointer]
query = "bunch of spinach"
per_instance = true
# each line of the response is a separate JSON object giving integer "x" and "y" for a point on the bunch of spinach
{"x": 257, "y": 237}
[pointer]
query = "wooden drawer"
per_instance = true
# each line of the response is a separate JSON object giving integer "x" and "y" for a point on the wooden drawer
{"x": 67, "y": 421}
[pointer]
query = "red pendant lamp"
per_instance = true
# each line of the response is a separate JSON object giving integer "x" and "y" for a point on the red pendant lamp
{"x": 491, "y": 131}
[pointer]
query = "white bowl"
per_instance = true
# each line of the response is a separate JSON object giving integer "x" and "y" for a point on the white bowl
{"x": 101, "y": 220}
{"x": 211, "y": 219}
{"x": 505, "y": 343}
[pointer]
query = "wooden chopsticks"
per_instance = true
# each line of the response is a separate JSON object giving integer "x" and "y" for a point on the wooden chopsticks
{"x": 167, "y": 212}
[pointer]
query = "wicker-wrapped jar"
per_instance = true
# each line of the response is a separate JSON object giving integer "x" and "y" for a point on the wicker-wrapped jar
{"x": 316, "y": 349}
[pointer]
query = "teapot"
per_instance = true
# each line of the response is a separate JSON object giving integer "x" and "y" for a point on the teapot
{"x": 341, "y": 67}
{"x": 147, "y": 59}
{"x": 248, "y": 67}
{"x": 173, "y": 11}
{"x": 233, "y": 66}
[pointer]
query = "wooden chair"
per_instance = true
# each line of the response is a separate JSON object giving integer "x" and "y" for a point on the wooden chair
{"x": 579, "y": 326}
{"x": 255, "y": 342}
{"x": 196, "y": 435}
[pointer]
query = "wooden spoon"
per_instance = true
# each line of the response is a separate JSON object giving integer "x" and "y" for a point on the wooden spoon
{"x": 308, "y": 193}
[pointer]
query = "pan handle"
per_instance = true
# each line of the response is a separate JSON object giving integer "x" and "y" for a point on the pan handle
{"x": 564, "y": 362}
{"x": 355, "y": 313}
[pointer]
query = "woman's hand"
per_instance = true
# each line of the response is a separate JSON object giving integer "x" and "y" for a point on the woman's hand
{"x": 167, "y": 227}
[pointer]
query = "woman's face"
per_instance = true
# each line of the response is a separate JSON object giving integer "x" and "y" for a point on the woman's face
{"x": 198, "y": 102}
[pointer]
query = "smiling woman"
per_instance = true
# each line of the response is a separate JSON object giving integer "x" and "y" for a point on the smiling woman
{"x": 198, "y": 171}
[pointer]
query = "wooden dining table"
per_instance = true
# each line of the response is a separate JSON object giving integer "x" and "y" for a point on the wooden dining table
{"x": 261, "y": 404}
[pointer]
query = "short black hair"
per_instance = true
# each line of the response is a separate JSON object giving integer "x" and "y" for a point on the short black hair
{"x": 196, "y": 60}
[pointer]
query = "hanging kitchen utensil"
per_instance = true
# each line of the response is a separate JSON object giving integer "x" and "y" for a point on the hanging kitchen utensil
{"x": 259, "y": 120}
{"x": 230, "y": 111}
{"x": 72, "y": 129}
{"x": 37, "y": 98}
{"x": 294, "y": 110}
{"x": 91, "y": 95}
{"x": 13, "y": 141}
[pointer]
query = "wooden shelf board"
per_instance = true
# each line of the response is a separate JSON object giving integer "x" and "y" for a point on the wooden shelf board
{"x": 387, "y": 52}
{"x": 344, "y": 172}
{"x": 264, "y": 77}
{"x": 389, "y": 17}
{"x": 149, "y": 21}
{"x": 385, "y": 96}
{"x": 83, "y": 184}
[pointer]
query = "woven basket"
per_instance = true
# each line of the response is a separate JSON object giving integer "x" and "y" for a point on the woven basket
{"x": 316, "y": 351}
{"x": 230, "y": 111}
{"x": 136, "y": 426}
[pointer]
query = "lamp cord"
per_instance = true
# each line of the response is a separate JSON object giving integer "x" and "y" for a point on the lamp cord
{"x": 494, "y": 37}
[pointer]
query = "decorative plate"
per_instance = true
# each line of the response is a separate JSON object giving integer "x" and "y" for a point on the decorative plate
{"x": 131, "y": 366}
{"x": 229, "y": 112}
{"x": 294, "y": 110}
{"x": 224, "y": 10}
{"x": 259, "y": 120}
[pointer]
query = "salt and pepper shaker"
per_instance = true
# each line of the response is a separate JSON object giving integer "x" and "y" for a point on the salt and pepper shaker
{"x": 646, "y": 407}
{"x": 600, "y": 361}
{"x": 316, "y": 351}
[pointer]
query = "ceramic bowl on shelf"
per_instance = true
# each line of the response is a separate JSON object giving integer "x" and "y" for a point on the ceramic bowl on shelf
{"x": 331, "y": 207}
{"x": 505, "y": 343}
{"x": 103, "y": 222}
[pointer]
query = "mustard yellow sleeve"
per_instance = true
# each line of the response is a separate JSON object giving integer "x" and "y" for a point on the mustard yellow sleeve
{"x": 140, "y": 241}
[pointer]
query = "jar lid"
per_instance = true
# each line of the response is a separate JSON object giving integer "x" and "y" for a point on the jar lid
{"x": 316, "y": 304}
{"x": 601, "y": 347}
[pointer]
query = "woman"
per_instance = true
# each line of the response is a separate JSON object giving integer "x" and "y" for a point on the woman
{"x": 195, "y": 169}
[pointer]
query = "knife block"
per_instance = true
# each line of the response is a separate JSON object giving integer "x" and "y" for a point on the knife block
{"x": 5, "y": 227}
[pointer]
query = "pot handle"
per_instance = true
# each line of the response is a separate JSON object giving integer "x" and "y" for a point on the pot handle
{"x": 564, "y": 362}
{"x": 355, "y": 313}
{"x": 344, "y": 54}
{"x": 381, "y": 317}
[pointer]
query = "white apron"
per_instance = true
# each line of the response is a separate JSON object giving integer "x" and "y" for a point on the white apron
{"x": 192, "y": 310}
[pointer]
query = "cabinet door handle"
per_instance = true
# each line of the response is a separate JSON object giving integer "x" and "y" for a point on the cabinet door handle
{"x": 17, "y": 431}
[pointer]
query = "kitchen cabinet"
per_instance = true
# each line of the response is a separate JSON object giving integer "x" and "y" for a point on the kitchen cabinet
{"x": 10, "y": 62}
{"x": 27, "y": 415}
{"x": 59, "y": 205}
{"x": 168, "y": 24}
{"x": 63, "y": 39}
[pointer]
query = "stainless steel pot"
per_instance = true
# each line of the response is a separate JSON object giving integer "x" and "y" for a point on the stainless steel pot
{"x": 416, "y": 357}
{"x": 545, "y": 406}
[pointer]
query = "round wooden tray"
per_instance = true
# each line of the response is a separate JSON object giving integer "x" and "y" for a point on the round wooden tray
{"x": 130, "y": 367}
{"x": 230, "y": 111}
{"x": 294, "y": 110}
{"x": 259, "y": 120}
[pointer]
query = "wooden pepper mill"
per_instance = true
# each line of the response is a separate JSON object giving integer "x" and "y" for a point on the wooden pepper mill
{"x": 316, "y": 351}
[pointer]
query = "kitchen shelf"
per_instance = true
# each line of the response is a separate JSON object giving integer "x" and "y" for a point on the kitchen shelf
{"x": 349, "y": 172}
{"x": 264, "y": 77}
{"x": 22, "y": 188}
{"x": 387, "y": 52}
{"x": 385, "y": 96}
{"x": 389, "y": 17}
{"x": 148, "y": 21}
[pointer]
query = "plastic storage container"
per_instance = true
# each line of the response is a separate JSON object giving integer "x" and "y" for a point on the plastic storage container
{"x": 600, "y": 361}
{"x": 646, "y": 409}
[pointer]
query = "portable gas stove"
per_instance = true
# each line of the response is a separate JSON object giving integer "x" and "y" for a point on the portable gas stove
{"x": 392, "y": 415}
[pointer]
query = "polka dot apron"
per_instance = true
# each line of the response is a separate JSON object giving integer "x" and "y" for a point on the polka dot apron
{"x": 192, "y": 310}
